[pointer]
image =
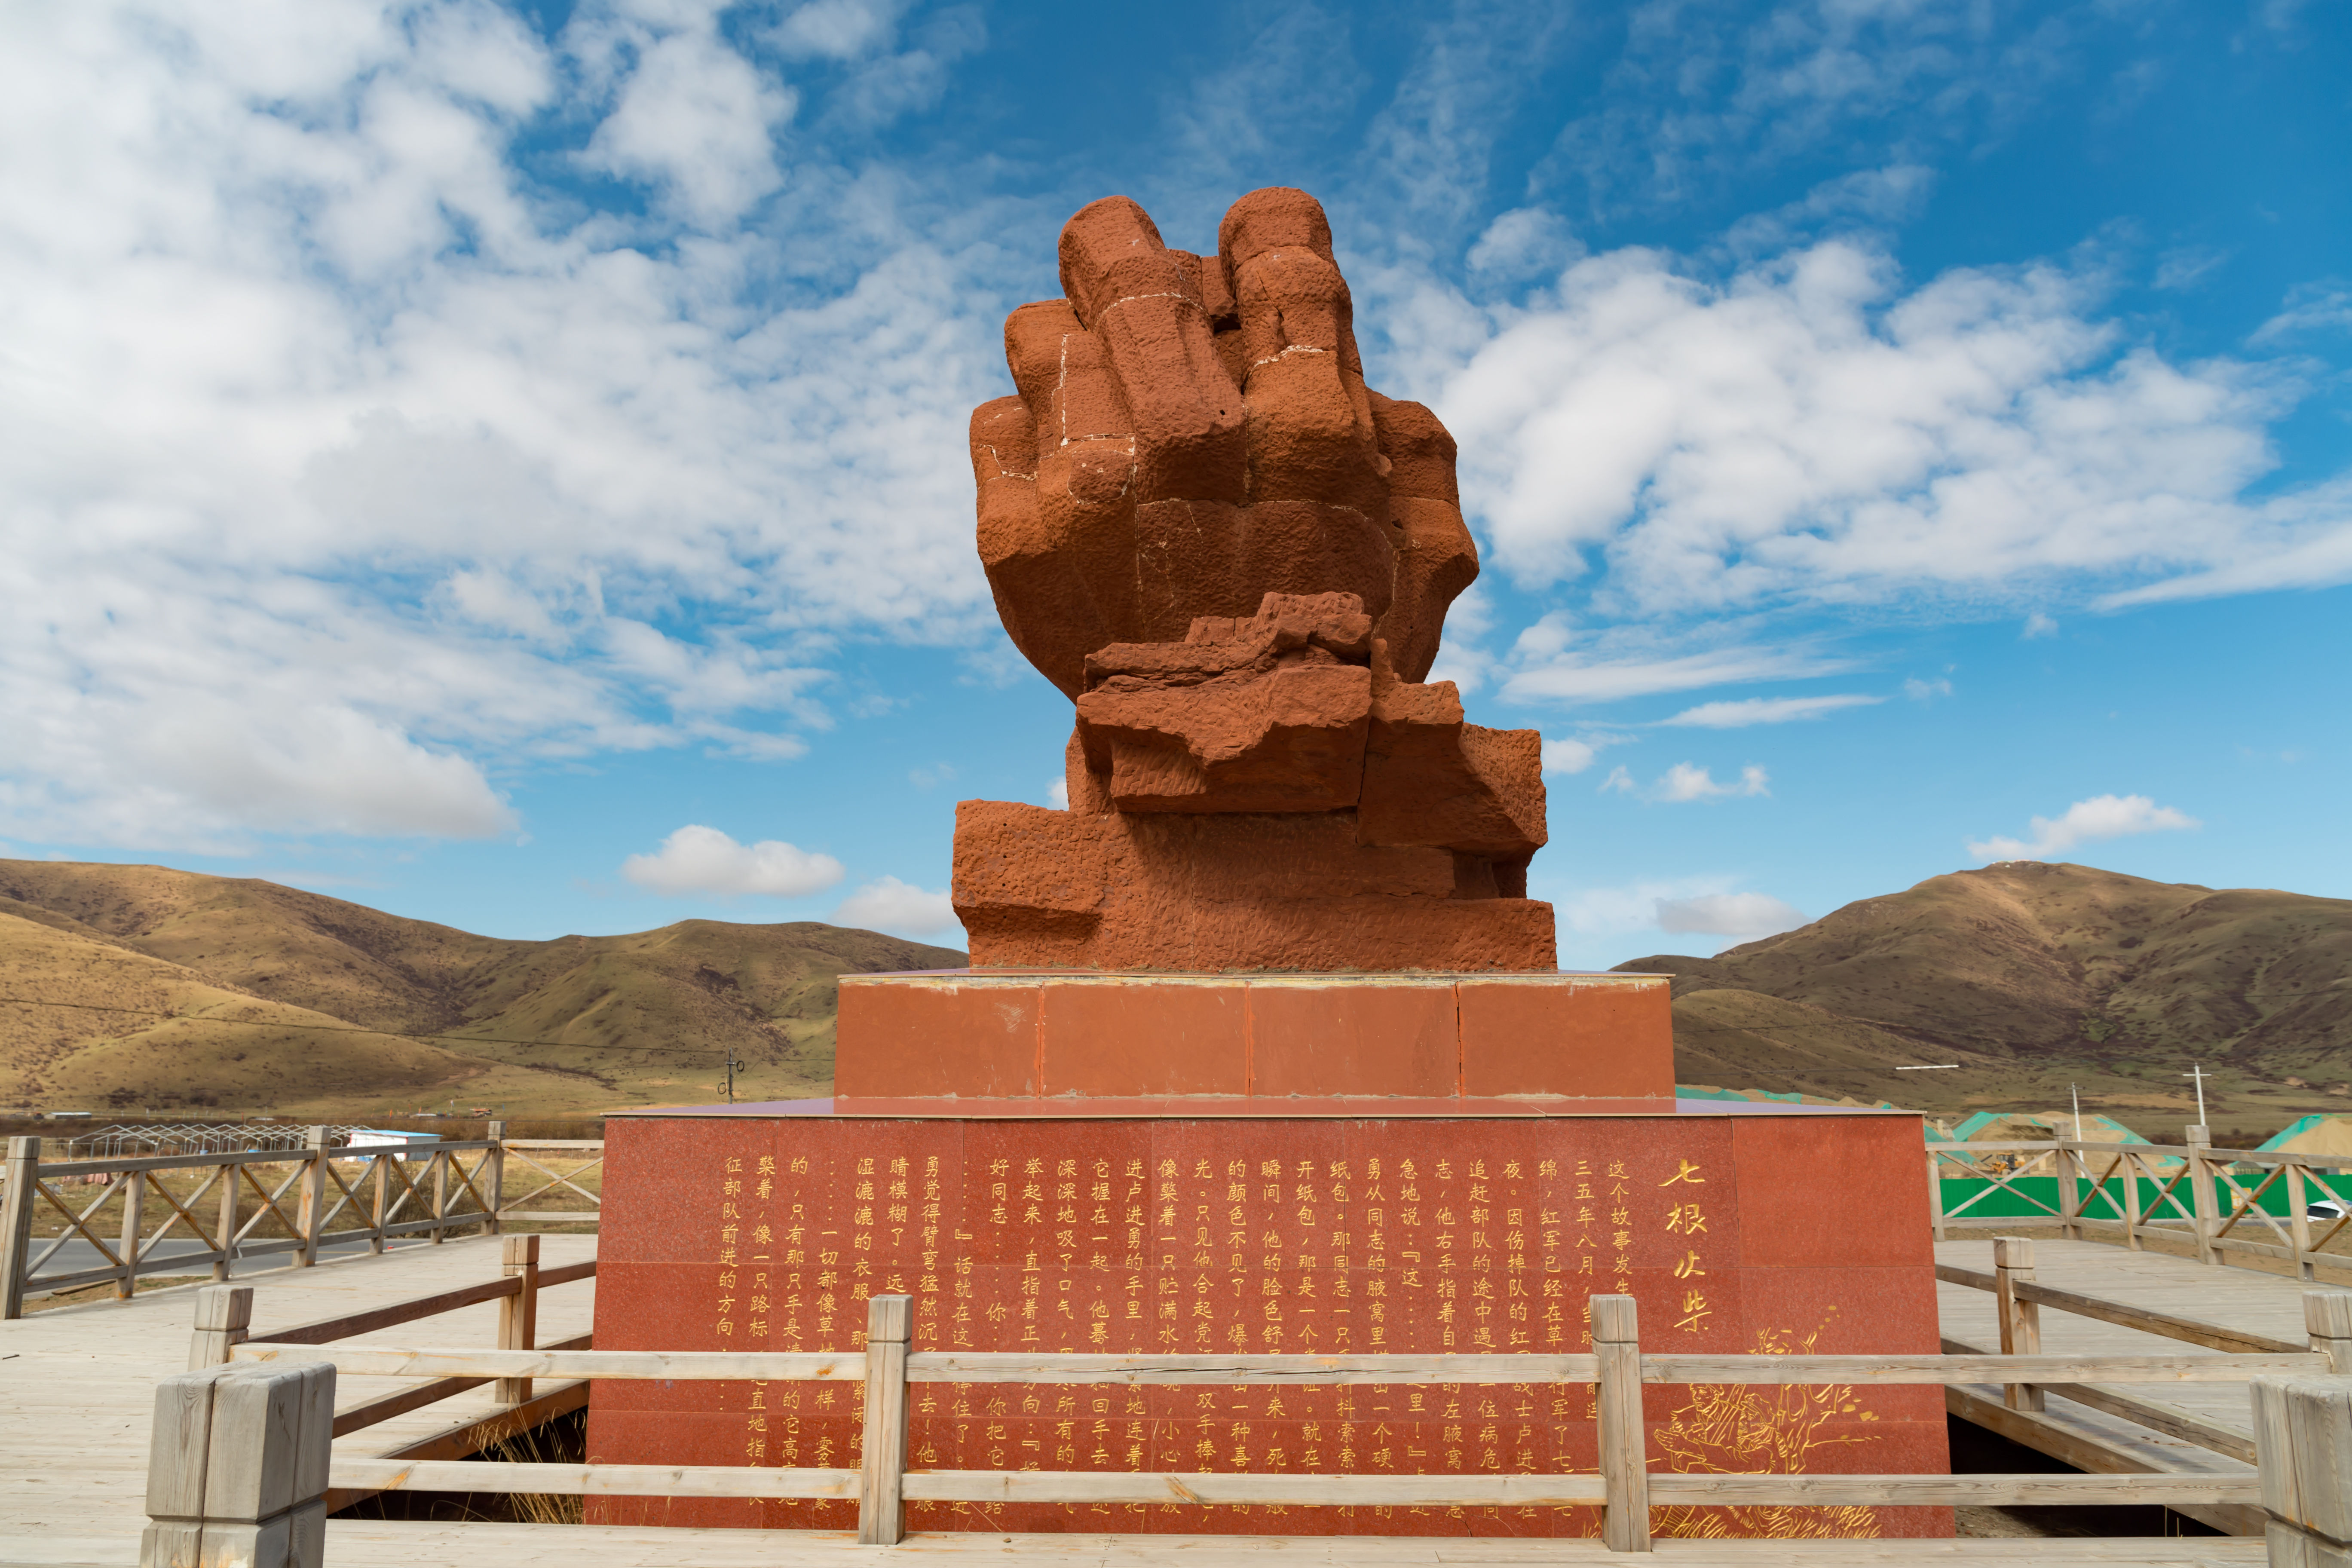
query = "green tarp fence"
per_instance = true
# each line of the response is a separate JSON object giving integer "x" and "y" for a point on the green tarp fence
{"x": 2037, "y": 1196}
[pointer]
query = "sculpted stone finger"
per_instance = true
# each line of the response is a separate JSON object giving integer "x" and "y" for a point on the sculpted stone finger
{"x": 1311, "y": 432}
{"x": 1419, "y": 448}
{"x": 1144, "y": 307}
{"x": 1435, "y": 557}
{"x": 1042, "y": 594}
{"x": 1067, "y": 568}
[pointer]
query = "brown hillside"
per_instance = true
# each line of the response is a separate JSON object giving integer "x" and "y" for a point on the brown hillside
{"x": 2033, "y": 975}
{"x": 535, "y": 1027}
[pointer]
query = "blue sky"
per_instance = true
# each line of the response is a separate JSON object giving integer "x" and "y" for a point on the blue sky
{"x": 505, "y": 465}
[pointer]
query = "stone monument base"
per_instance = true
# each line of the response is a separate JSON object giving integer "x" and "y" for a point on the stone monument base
{"x": 1481, "y": 1230}
{"x": 1030, "y": 1042}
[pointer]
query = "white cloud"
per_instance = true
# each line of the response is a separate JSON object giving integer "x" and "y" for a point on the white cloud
{"x": 1057, "y": 794}
{"x": 327, "y": 420}
{"x": 1573, "y": 755}
{"x": 698, "y": 859}
{"x": 1566, "y": 756}
{"x": 1919, "y": 691}
{"x": 889, "y": 904}
{"x": 1620, "y": 911}
{"x": 2186, "y": 267}
{"x": 932, "y": 776}
{"x": 2038, "y": 625}
{"x": 2308, "y": 556}
{"x": 1765, "y": 711}
{"x": 1810, "y": 430}
{"x": 1743, "y": 915}
{"x": 2100, "y": 816}
{"x": 1522, "y": 243}
{"x": 2309, "y": 308}
{"x": 1555, "y": 672}
{"x": 1685, "y": 782}
{"x": 694, "y": 119}
{"x": 836, "y": 29}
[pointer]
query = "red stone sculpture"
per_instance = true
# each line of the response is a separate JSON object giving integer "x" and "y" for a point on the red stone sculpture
{"x": 1236, "y": 558}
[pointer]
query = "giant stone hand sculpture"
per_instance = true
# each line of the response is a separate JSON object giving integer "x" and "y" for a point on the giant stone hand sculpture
{"x": 1236, "y": 558}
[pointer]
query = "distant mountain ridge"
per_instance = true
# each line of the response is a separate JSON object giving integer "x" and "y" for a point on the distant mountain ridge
{"x": 182, "y": 993}
{"x": 274, "y": 998}
{"x": 2031, "y": 977}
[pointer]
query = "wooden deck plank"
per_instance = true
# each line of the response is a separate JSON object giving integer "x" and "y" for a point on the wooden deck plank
{"x": 2237, "y": 1299}
{"x": 77, "y": 1383}
{"x": 408, "y": 1545}
{"x": 2232, "y": 1297}
{"x": 76, "y": 1387}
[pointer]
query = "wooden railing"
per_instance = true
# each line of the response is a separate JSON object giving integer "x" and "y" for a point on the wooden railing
{"x": 2019, "y": 1298}
{"x": 262, "y": 1495}
{"x": 224, "y": 1320}
{"x": 2200, "y": 1196}
{"x": 1617, "y": 1368}
{"x": 419, "y": 1190}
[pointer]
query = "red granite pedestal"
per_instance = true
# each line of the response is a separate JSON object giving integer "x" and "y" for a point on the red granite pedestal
{"x": 1274, "y": 1164}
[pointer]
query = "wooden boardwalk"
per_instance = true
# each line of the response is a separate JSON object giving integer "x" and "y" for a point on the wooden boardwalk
{"x": 2091, "y": 1439}
{"x": 77, "y": 1387}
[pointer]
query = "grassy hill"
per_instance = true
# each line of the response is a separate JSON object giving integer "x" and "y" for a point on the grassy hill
{"x": 184, "y": 993}
{"x": 151, "y": 988}
{"x": 2032, "y": 976}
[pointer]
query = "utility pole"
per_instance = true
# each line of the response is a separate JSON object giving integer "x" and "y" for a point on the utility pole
{"x": 731, "y": 1065}
{"x": 2196, "y": 1071}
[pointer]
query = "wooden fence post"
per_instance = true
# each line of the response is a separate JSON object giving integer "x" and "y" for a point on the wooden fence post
{"x": 2071, "y": 1168}
{"x": 518, "y": 1313}
{"x": 2303, "y": 1438}
{"x": 2200, "y": 1192}
{"x": 2327, "y": 1315}
{"x": 1935, "y": 1193}
{"x": 2298, "y": 1225}
{"x": 226, "y": 1239}
{"x": 440, "y": 1173}
{"x": 17, "y": 1223}
{"x": 2021, "y": 1322}
{"x": 382, "y": 1176}
{"x": 237, "y": 1467}
{"x": 134, "y": 1190}
{"x": 224, "y": 1312}
{"x": 881, "y": 1485}
{"x": 494, "y": 1190}
{"x": 1624, "y": 1439}
{"x": 2133, "y": 1168}
{"x": 313, "y": 1211}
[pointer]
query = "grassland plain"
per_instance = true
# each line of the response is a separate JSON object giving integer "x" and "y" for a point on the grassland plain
{"x": 2032, "y": 977}
{"x": 135, "y": 988}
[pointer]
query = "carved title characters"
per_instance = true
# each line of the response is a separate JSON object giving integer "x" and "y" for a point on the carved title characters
{"x": 1238, "y": 1239}
{"x": 1236, "y": 558}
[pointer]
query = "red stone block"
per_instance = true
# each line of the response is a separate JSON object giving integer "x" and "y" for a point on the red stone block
{"x": 1121, "y": 1036}
{"x": 939, "y": 1039}
{"x": 1566, "y": 1036}
{"x": 1141, "y": 1045}
{"x": 1791, "y": 1168}
{"x": 1335, "y": 1036}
